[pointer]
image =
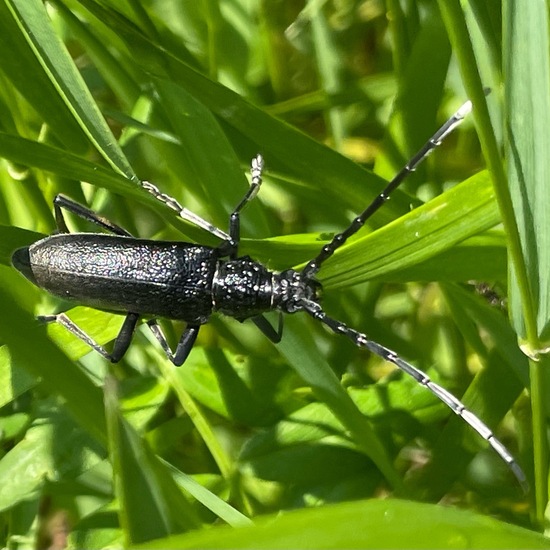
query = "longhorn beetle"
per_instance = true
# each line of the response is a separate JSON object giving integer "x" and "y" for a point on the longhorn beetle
{"x": 189, "y": 282}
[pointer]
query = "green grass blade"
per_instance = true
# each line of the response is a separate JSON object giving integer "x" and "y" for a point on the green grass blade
{"x": 21, "y": 67}
{"x": 34, "y": 25}
{"x": 366, "y": 524}
{"x": 524, "y": 204}
{"x": 151, "y": 503}
{"x": 527, "y": 72}
{"x": 301, "y": 352}
{"x": 46, "y": 362}
{"x": 319, "y": 166}
{"x": 464, "y": 211}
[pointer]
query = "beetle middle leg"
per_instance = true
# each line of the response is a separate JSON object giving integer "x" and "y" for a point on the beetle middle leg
{"x": 229, "y": 246}
{"x": 184, "y": 346}
{"x": 122, "y": 341}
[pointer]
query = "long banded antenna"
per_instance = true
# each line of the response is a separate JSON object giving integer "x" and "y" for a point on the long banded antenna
{"x": 362, "y": 340}
{"x": 338, "y": 240}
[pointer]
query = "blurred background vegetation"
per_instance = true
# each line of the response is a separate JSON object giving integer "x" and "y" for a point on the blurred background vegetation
{"x": 336, "y": 95}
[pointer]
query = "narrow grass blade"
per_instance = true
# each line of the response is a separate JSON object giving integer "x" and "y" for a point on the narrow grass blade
{"x": 34, "y": 25}
{"x": 527, "y": 71}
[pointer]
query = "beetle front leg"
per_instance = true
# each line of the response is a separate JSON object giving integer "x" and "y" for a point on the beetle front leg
{"x": 184, "y": 346}
{"x": 121, "y": 343}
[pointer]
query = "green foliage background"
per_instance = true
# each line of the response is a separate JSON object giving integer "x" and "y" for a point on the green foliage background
{"x": 336, "y": 96}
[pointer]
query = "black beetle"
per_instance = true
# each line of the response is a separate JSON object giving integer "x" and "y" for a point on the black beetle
{"x": 189, "y": 282}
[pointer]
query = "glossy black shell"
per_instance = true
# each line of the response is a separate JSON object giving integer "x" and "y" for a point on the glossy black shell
{"x": 111, "y": 272}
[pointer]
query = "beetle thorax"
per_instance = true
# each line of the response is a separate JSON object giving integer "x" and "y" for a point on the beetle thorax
{"x": 242, "y": 288}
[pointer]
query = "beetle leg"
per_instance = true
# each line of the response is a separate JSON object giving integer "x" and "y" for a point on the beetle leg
{"x": 268, "y": 329}
{"x": 62, "y": 202}
{"x": 256, "y": 168}
{"x": 124, "y": 337}
{"x": 121, "y": 343}
{"x": 182, "y": 212}
{"x": 184, "y": 345}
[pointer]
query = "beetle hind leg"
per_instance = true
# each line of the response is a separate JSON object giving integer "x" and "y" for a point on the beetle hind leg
{"x": 122, "y": 341}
